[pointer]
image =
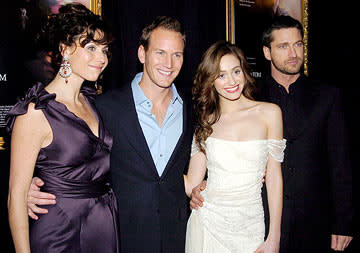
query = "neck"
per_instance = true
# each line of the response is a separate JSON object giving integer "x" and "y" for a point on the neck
{"x": 68, "y": 92}
{"x": 284, "y": 80}
{"x": 157, "y": 94}
{"x": 229, "y": 106}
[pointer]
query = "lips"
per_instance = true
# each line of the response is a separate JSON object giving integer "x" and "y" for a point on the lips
{"x": 96, "y": 67}
{"x": 166, "y": 73}
{"x": 232, "y": 89}
{"x": 293, "y": 61}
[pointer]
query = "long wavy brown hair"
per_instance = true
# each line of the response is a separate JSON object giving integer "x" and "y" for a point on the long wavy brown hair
{"x": 205, "y": 96}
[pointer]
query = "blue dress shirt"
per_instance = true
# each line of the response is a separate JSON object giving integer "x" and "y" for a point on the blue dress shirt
{"x": 161, "y": 140}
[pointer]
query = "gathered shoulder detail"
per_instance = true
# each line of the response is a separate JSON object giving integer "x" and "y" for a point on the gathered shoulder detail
{"x": 37, "y": 95}
{"x": 194, "y": 147}
{"x": 88, "y": 92}
{"x": 277, "y": 148}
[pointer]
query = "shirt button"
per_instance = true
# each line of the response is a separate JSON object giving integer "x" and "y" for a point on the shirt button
{"x": 161, "y": 155}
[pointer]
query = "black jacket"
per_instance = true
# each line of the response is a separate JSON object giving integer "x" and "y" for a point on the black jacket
{"x": 153, "y": 210}
{"x": 316, "y": 170}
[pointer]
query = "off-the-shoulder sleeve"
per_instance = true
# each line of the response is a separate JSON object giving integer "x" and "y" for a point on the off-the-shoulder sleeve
{"x": 194, "y": 147}
{"x": 36, "y": 95}
{"x": 276, "y": 149}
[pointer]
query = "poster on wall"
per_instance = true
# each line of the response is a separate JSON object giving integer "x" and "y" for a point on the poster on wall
{"x": 246, "y": 20}
{"x": 52, "y": 6}
{"x": 22, "y": 64}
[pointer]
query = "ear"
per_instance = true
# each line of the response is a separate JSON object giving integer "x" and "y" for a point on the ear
{"x": 66, "y": 50}
{"x": 141, "y": 54}
{"x": 267, "y": 53}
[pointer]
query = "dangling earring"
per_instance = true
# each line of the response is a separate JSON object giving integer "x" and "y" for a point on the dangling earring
{"x": 65, "y": 68}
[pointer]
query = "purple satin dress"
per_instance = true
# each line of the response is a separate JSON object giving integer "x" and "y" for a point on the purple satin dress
{"x": 75, "y": 167}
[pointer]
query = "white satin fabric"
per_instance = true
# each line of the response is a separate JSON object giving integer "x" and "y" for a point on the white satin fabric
{"x": 232, "y": 218}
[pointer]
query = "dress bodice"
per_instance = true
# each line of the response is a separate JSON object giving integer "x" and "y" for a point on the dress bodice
{"x": 237, "y": 166}
{"x": 232, "y": 217}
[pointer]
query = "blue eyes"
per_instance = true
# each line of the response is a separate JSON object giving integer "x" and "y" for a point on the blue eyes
{"x": 286, "y": 46}
{"x": 162, "y": 53}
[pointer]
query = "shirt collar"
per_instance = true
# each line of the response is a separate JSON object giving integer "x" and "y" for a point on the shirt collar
{"x": 294, "y": 87}
{"x": 139, "y": 95}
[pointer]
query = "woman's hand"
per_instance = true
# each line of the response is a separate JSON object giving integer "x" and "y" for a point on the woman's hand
{"x": 269, "y": 246}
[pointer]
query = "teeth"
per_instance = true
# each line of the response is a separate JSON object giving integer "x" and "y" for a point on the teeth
{"x": 165, "y": 72}
{"x": 231, "y": 89}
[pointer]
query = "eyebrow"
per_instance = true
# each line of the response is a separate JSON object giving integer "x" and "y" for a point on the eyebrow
{"x": 160, "y": 49}
{"x": 238, "y": 66}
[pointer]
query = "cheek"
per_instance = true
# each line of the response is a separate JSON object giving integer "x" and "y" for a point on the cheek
{"x": 218, "y": 85}
{"x": 241, "y": 78}
{"x": 179, "y": 63}
{"x": 300, "y": 52}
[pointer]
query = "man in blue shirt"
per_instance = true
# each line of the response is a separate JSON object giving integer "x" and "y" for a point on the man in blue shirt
{"x": 152, "y": 133}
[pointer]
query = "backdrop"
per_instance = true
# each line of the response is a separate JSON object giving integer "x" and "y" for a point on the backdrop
{"x": 331, "y": 57}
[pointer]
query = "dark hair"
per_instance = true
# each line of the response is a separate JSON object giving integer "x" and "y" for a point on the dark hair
{"x": 167, "y": 23}
{"x": 205, "y": 97}
{"x": 280, "y": 22}
{"x": 74, "y": 23}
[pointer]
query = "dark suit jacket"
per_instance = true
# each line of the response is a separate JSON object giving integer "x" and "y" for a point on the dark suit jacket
{"x": 153, "y": 210}
{"x": 316, "y": 170}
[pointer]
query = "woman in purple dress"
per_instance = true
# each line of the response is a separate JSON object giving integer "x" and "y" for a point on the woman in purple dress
{"x": 58, "y": 134}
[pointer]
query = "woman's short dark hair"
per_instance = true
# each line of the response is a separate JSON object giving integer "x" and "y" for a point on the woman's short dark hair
{"x": 167, "y": 23}
{"x": 74, "y": 23}
{"x": 280, "y": 22}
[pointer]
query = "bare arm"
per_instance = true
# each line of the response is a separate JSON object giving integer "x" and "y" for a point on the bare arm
{"x": 28, "y": 136}
{"x": 274, "y": 184}
{"x": 196, "y": 172}
{"x": 273, "y": 180}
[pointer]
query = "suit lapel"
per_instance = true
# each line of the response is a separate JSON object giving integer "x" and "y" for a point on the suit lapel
{"x": 308, "y": 98}
{"x": 130, "y": 126}
{"x": 179, "y": 146}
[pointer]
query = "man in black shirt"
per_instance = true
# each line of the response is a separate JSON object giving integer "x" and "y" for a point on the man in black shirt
{"x": 317, "y": 211}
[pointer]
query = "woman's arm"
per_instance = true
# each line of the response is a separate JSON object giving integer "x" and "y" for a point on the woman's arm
{"x": 196, "y": 172}
{"x": 28, "y": 135}
{"x": 273, "y": 180}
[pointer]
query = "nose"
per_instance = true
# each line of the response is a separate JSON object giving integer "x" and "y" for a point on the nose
{"x": 101, "y": 57}
{"x": 292, "y": 51}
{"x": 232, "y": 80}
{"x": 168, "y": 61}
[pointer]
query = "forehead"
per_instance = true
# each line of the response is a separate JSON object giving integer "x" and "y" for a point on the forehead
{"x": 286, "y": 35}
{"x": 168, "y": 40}
{"x": 229, "y": 61}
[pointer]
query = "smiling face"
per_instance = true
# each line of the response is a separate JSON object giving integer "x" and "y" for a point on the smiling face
{"x": 231, "y": 80}
{"x": 89, "y": 61}
{"x": 287, "y": 51}
{"x": 163, "y": 59}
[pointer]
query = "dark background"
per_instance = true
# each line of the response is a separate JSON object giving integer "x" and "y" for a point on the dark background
{"x": 332, "y": 42}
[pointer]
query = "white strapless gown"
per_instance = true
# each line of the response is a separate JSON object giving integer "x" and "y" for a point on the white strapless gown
{"x": 232, "y": 218}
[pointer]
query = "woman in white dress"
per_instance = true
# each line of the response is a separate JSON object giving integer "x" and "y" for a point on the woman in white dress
{"x": 236, "y": 139}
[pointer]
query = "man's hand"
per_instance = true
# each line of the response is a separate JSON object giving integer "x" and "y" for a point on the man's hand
{"x": 196, "y": 198}
{"x": 36, "y": 197}
{"x": 340, "y": 242}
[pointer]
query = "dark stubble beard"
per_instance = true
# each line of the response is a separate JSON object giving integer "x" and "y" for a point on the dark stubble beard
{"x": 283, "y": 69}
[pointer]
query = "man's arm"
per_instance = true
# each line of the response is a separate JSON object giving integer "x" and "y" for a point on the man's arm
{"x": 341, "y": 176}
